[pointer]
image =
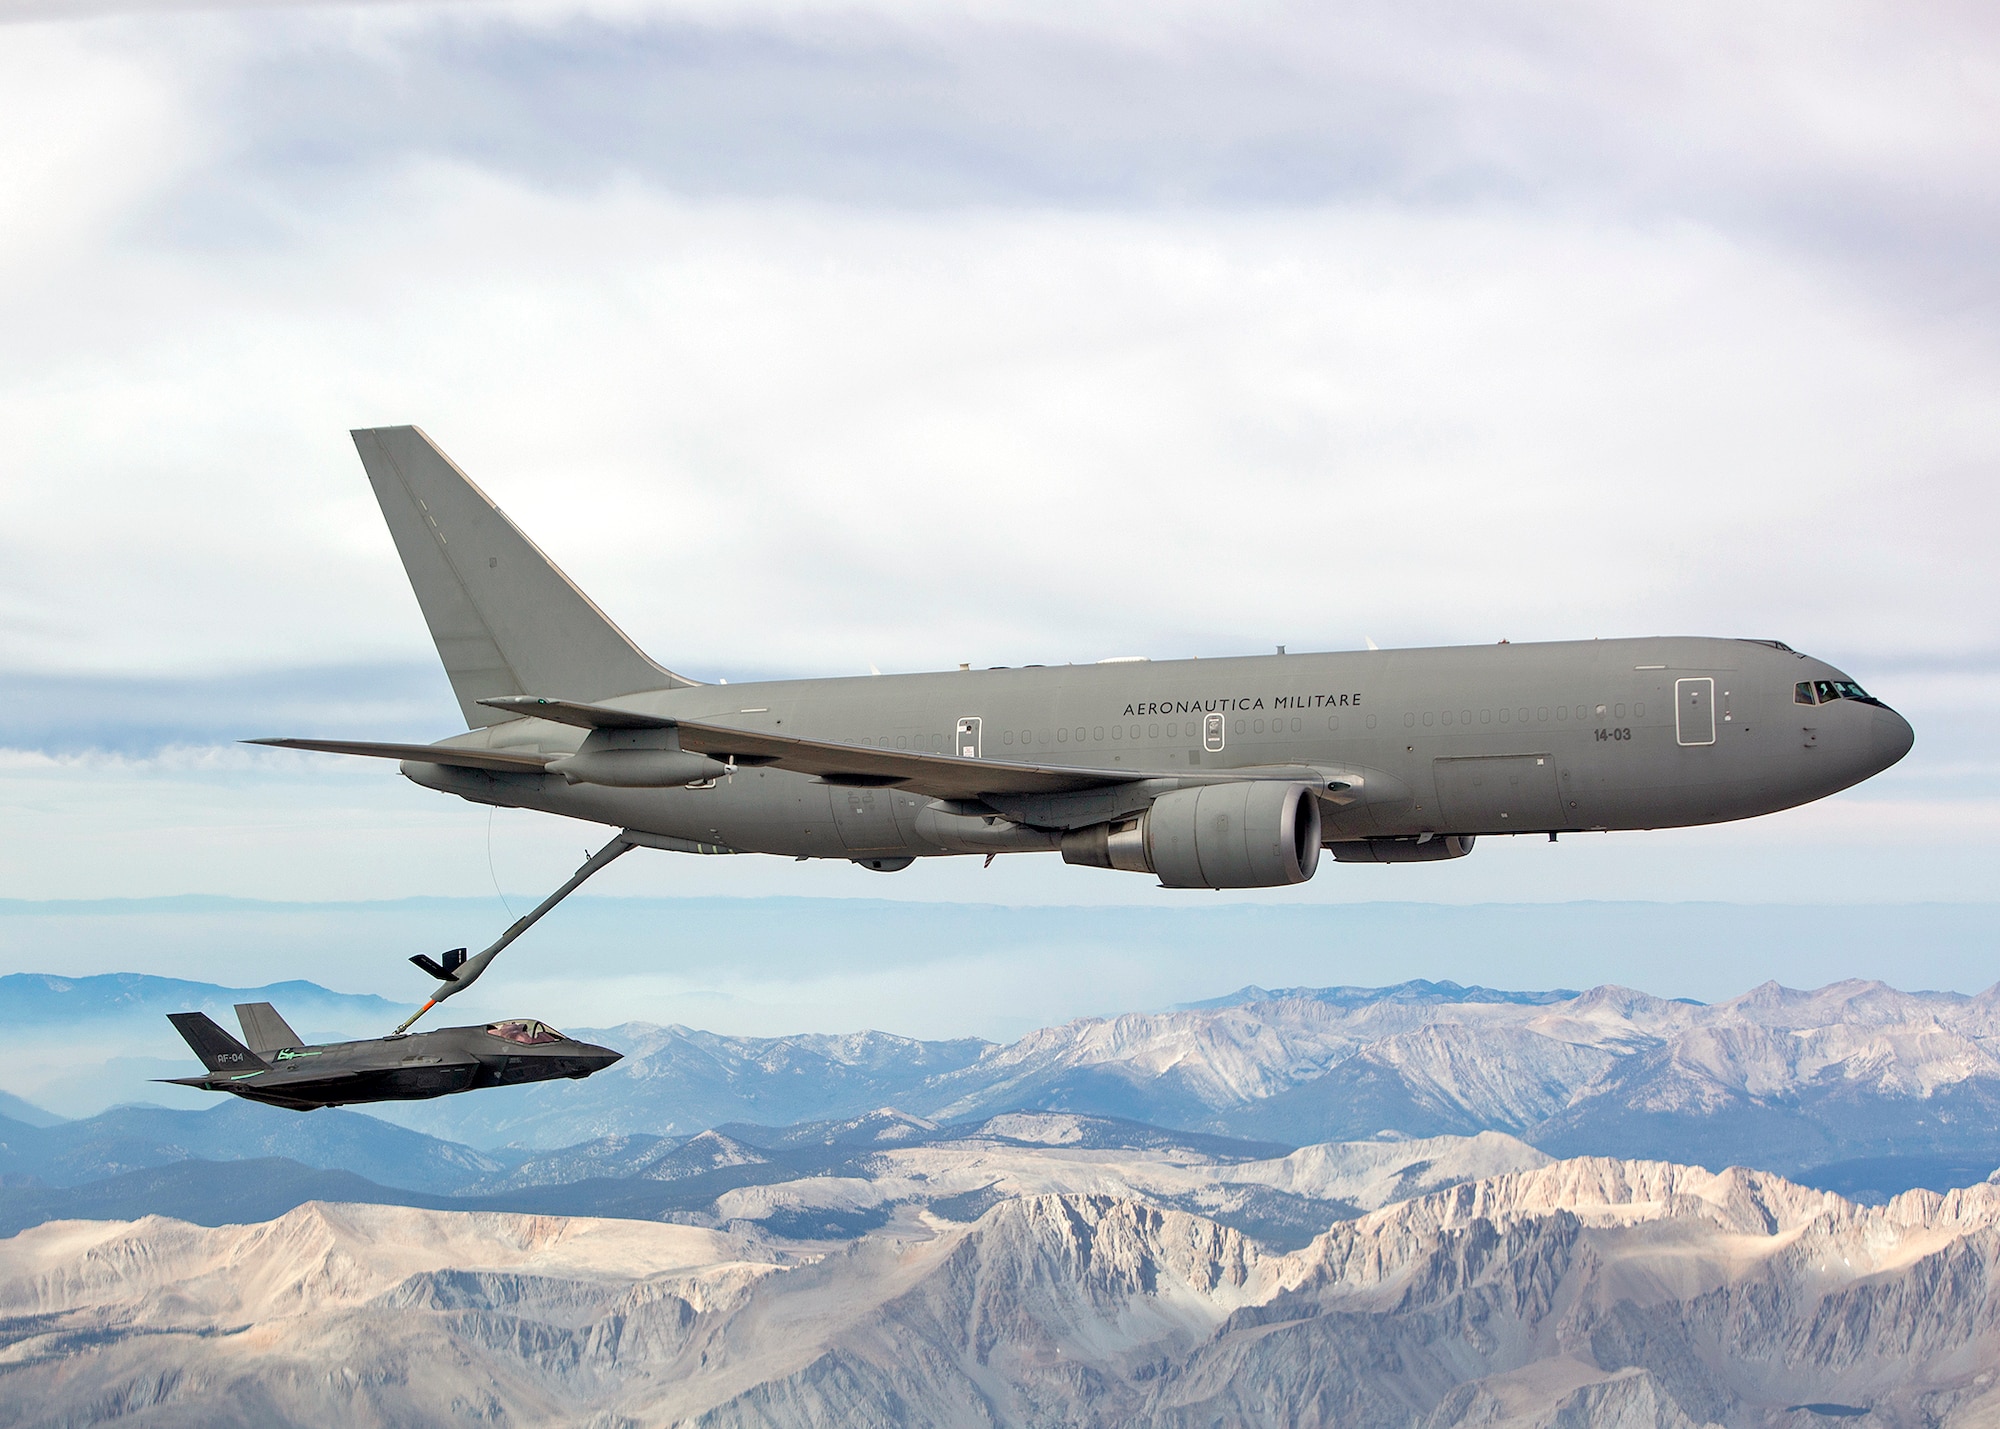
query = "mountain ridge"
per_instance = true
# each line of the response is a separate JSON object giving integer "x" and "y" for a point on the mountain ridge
{"x": 1849, "y": 1070}
{"x": 1588, "y": 1291}
{"x": 1855, "y": 1074}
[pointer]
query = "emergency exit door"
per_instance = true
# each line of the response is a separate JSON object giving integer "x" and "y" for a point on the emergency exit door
{"x": 967, "y": 743}
{"x": 1694, "y": 710}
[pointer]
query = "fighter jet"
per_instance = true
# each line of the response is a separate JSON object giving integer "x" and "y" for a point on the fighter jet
{"x": 1212, "y": 773}
{"x": 273, "y": 1065}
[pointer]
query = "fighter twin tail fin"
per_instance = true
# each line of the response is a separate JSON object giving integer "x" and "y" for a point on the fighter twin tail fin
{"x": 219, "y": 1052}
{"x": 264, "y": 1030}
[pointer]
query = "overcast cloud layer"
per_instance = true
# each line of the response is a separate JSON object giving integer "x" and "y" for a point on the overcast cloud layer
{"x": 811, "y": 337}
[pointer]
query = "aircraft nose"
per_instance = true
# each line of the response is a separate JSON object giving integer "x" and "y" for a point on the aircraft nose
{"x": 1892, "y": 738}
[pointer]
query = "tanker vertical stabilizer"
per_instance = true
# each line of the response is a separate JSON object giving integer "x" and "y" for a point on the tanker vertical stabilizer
{"x": 505, "y": 619}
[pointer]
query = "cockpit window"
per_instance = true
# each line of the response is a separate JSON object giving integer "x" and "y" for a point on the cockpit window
{"x": 1831, "y": 690}
{"x": 528, "y": 1034}
{"x": 1802, "y": 693}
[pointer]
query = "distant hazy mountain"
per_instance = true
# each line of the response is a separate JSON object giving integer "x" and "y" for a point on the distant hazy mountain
{"x": 1590, "y": 1292}
{"x": 42, "y": 1000}
{"x": 675, "y": 1081}
{"x": 1416, "y": 991}
{"x": 199, "y": 1192}
{"x": 124, "y": 1139}
{"x": 26, "y": 1113}
{"x": 79, "y": 1044}
{"x": 1776, "y": 1078}
{"x": 1857, "y": 1075}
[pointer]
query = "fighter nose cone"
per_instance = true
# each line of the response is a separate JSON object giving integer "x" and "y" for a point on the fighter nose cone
{"x": 1892, "y": 738}
{"x": 598, "y": 1058}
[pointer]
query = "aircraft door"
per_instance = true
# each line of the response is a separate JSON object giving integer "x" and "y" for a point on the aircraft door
{"x": 1499, "y": 794}
{"x": 1211, "y": 734}
{"x": 968, "y": 737}
{"x": 1694, "y": 710}
{"x": 866, "y": 819}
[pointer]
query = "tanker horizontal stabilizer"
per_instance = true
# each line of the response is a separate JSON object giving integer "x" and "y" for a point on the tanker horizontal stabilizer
{"x": 491, "y": 760}
{"x": 575, "y": 712}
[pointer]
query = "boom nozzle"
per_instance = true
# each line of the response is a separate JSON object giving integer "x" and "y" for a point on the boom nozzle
{"x": 447, "y": 971}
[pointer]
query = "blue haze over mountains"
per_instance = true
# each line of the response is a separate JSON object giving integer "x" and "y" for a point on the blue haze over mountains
{"x": 767, "y": 966}
{"x": 1855, "y": 1086}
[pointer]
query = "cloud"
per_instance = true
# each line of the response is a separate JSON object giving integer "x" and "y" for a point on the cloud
{"x": 909, "y": 440}
{"x": 1861, "y": 131}
{"x": 129, "y": 716}
{"x": 809, "y": 338}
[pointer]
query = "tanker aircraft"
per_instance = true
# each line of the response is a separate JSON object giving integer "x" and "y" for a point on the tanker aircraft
{"x": 1206, "y": 773}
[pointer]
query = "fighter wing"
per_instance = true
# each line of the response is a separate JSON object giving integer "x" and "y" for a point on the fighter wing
{"x": 941, "y": 776}
{"x": 489, "y": 759}
{"x": 290, "y": 1076}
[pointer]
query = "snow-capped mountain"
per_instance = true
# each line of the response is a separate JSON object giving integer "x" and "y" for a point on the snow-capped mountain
{"x": 1777, "y": 1078}
{"x": 1591, "y": 1291}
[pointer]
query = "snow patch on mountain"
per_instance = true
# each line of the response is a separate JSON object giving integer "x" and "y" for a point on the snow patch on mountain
{"x": 1590, "y": 1291}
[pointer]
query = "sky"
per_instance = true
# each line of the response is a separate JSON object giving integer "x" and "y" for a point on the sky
{"x": 812, "y": 338}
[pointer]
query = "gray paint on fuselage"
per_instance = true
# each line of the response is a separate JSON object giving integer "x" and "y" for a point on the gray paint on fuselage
{"x": 395, "y": 1068}
{"x": 1602, "y": 713}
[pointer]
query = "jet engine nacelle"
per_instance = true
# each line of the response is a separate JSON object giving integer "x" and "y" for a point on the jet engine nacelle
{"x": 1403, "y": 850}
{"x": 1242, "y": 835}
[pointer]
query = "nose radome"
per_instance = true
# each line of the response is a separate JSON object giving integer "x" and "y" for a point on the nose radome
{"x": 1892, "y": 739}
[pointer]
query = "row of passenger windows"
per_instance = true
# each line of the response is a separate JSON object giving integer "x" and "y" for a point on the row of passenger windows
{"x": 1099, "y": 734}
{"x": 1191, "y": 729}
{"x": 1520, "y": 715}
{"x": 1173, "y": 729}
